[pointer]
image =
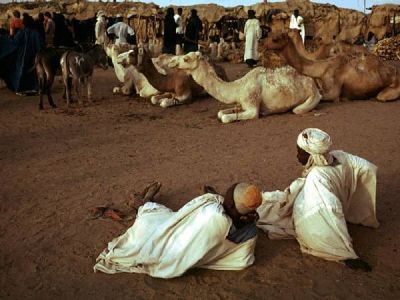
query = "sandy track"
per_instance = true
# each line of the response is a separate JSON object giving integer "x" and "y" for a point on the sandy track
{"x": 55, "y": 165}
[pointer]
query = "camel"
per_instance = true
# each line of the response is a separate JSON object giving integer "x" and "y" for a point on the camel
{"x": 343, "y": 76}
{"x": 132, "y": 80}
{"x": 259, "y": 91}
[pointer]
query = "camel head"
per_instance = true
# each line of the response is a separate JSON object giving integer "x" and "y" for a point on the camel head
{"x": 276, "y": 41}
{"x": 187, "y": 62}
{"x": 128, "y": 58}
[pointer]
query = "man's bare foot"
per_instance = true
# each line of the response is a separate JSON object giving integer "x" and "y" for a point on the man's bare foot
{"x": 358, "y": 264}
{"x": 146, "y": 195}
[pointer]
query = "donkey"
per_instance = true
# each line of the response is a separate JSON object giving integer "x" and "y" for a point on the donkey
{"x": 79, "y": 67}
{"x": 47, "y": 66}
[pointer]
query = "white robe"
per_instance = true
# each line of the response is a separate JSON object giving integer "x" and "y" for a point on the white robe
{"x": 315, "y": 209}
{"x": 165, "y": 244}
{"x": 252, "y": 32}
{"x": 121, "y": 30}
{"x": 101, "y": 31}
{"x": 298, "y": 23}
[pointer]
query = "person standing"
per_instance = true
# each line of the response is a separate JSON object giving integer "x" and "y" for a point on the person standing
{"x": 49, "y": 28}
{"x": 121, "y": 30}
{"x": 16, "y": 23}
{"x": 192, "y": 33}
{"x": 19, "y": 53}
{"x": 179, "y": 29}
{"x": 101, "y": 29}
{"x": 297, "y": 22}
{"x": 252, "y": 32}
{"x": 169, "y": 32}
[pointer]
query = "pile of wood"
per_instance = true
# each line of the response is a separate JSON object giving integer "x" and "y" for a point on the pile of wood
{"x": 389, "y": 48}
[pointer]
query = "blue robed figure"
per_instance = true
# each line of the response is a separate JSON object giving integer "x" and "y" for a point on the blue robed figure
{"x": 17, "y": 57}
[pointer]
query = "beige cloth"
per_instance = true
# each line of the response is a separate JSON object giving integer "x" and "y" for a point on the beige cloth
{"x": 321, "y": 204}
{"x": 163, "y": 243}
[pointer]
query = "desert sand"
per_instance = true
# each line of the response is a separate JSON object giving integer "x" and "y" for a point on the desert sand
{"x": 57, "y": 164}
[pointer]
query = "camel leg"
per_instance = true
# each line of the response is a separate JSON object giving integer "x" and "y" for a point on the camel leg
{"x": 310, "y": 103}
{"x": 249, "y": 113}
{"x": 389, "y": 94}
{"x": 156, "y": 98}
{"x": 175, "y": 100}
{"x": 226, "y": 112}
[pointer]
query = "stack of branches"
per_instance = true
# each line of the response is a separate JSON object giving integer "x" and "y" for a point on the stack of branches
{"x": 389, "y": 48}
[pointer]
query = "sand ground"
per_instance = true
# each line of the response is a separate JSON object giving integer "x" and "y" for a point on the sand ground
{"x": 56, "y": 164}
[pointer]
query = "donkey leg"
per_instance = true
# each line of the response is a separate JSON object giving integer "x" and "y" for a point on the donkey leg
{"x": 77, "y": 86}
{"x": 89, "y": 89}
{"x": 49, "y": 86}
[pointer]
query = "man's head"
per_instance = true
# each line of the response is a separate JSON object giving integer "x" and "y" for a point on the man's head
{"x": 296, "y": 13}
{"x": 313, "y": 147}
{"x": 16, "y": 14}
{"x": 251, "y": 14}
{"x": 241, "y": 202}
{"x": 47, "y": 15}
{"x": 193, "y": 12}
{"x": 180, "y": 11}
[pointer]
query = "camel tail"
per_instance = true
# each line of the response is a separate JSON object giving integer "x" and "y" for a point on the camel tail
{"x": 310, "y": 103}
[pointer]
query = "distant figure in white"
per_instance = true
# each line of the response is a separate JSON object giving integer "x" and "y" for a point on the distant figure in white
{"x": 297, "y": 22}
{"x": 179, "y": 31}
{"x": 101, "y": 29}
{"x": 252, "y": 32}
{"x": 121, "y": 30}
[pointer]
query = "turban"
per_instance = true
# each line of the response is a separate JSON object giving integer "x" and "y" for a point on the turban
{"x": 317, "y": 143}
{"x": 247, "y": 198}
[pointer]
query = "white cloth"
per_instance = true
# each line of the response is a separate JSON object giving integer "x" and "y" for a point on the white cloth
{"x": 252, "y": 32}
{"x": 165, "y": 244}
{"x": 101, "y": 30}
{"x": 321, "y": 204}
{"x": 121, "y": 30}
{"x": 179, "y": 22}
{"x": 298, "y": 23}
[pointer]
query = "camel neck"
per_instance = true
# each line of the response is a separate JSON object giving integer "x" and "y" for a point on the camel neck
{"x": 302, "y": 64}
{"x": 206, "y": 76}
{"x": 153, "y": 76}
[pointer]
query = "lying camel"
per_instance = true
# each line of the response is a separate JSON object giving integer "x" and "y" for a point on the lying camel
{"x": 259, "y": 91}
{"x": 133, "y": 81}
{"x": 343, "y": 76}
{"x": 175, "y": 88}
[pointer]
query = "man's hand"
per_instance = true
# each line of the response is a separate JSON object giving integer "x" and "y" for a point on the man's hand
{"x": 210, "y": 189}
{"x": 250, "y": 217}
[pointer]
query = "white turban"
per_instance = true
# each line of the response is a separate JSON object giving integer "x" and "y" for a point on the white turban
{"x": 317, "y": 143}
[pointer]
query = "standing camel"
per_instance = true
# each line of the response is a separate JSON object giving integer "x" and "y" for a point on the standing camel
{"x": 260, "y": 90}
{"x": 343, "y": 76}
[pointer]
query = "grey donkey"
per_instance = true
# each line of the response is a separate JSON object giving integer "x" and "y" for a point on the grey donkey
{"x": 79, "y": 67}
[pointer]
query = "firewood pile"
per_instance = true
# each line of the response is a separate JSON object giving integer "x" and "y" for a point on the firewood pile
{"x": 388, "y": 49}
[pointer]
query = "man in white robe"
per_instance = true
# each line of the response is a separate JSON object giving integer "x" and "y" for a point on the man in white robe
{"x": 252, "y": 32}
{"x": 210, "y": 232}
{"x": 336, "y": 187}
{"x": 297, "y": 22}
{"x": 121, "y": 30}
{"x": 101, "y": 29}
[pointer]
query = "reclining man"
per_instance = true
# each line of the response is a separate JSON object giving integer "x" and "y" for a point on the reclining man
{"x": 336, "y": 187}
{"x": 210, "y": 231}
